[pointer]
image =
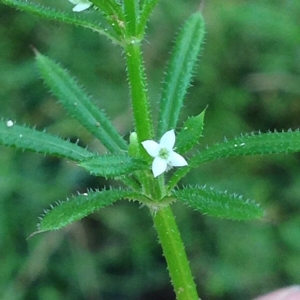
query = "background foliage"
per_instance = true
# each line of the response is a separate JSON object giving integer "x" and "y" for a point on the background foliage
{"x": 248, "y": 76}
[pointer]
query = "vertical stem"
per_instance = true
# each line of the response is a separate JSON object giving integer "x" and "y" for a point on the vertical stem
{"x": 139, "y": 100}
{"x": 131, "y": 12}
{"x": 139, "y": 96}
{"x": 164, "y": 221}
{"x": 175, "y": 255}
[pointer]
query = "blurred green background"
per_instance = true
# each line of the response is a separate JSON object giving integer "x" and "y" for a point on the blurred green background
{"x": 248, "y": 75}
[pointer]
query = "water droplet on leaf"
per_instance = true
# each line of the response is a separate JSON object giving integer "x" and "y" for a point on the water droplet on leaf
{"x": 9, "y": 123}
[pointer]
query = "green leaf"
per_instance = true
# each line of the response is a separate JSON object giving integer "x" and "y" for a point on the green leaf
{"x": 146, "y": 10}
{"x": 179, "y": 72}
{"x": 30, "y": 139}
{"x": 76, "y": 208}
{"x": 109, "y": 7}
{"x": 251, "y": 144}
{"x": 113, "y": 165}
{"x": 112, "y": 12}
{"x": 219, "y": 204}
{"x": 70, "y": 18}
{"x": 190, "y": 133}
{"x": 79, "y": 105}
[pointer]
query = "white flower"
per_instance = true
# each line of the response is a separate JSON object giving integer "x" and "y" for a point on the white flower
{"x": 81, "y": 5}
{"x": 164, "y": 156}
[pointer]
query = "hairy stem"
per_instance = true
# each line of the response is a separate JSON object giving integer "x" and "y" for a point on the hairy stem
{"x": 175, "y": 255}
{"x": 138, "y": 86}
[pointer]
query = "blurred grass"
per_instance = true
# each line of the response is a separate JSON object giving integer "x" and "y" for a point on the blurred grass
{"x": 248, "y": 76}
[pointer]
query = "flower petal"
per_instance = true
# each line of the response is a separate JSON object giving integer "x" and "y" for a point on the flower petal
{"x": 74, "y": 1}
{"x": 167, "y": 141}
{"x": 151, "y": 147}
{"x": 81, "y": 6}
{"x": 176, "y": 160}
{"x": 159, "y": 166}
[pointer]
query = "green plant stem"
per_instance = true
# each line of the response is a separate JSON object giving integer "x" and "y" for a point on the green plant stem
{"x": 139, "y": 96}
{"x": 131, "y": 14}
{"x": 175, "y": 255}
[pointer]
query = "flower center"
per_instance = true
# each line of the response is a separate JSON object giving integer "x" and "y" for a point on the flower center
{"x": 164, "y": 153}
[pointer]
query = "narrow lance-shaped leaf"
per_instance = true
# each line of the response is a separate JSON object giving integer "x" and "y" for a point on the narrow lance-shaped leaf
{"x": 252, "y": 144}
{"x": 79, "y": 105}
{"x": 113, "y": 165}
{"x": 112, "y": 12}
{"x": 190, "y": 133}
{"x": 51, "y": 14}
{"x": 218, "y": 204}
{"x": 76, "y": 208}
{"x": 109, "y": 7}
{"x": 179, "y": 72}
{"x": 146, "y": 10}
{"x": 25, "y": 138}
